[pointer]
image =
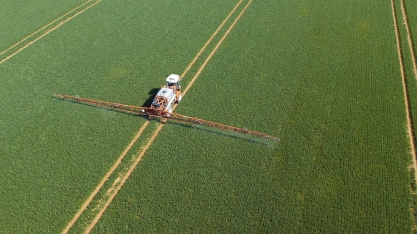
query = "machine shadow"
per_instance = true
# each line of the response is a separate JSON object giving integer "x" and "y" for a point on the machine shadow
{"x": 152, "y": 95}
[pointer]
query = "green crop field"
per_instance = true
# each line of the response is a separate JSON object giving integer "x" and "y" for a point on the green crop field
{"x": 322, "y": 76}
{"x": 19, "y": 18}
{"x": 407, "y": 43}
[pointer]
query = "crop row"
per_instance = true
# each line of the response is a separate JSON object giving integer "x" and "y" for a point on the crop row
{"x": 405, "y": 14}
{"x": 20, "y": 18}
{"x": 324, "y": 77}
{"x": 54, "y": 153}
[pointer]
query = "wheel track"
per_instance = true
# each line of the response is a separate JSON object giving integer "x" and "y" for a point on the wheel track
{"x": 210, "y": 39}
{"x": 410, "y": 126}
{"x": 409, "y": 37}
{"x": 42, "y": 34}
{"x": 104, "y": 179}
{"x": 50, "y": 23}
{"x": 139, "y": 133}
{"x": 158, "y": 130}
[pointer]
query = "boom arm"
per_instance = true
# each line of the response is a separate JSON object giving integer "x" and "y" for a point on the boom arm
{"x": 192, "y": 120}
{"x": 137, "y": 110}
{"x": 109, "y": 105}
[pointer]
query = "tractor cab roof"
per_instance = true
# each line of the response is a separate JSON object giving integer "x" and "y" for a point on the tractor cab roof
{"x": 173, "y": 79}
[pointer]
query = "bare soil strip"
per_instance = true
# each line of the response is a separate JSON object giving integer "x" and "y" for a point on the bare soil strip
{"x": 105, "y": 178}
{"x": 410, "y": 128}
{"x": 210, "y": 39}
{"x": 146, "y": 147}
{"x": 50, "y": 23}
{"x": 409, "y": 37}
{"x": 47, "y": 32}
{"x": 119, "y": 160}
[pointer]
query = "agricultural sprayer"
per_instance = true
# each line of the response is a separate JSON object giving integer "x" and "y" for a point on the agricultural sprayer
{"x": 162, "y": 107}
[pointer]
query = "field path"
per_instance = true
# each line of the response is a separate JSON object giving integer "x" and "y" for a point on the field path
{"x": 214, "y": 50}
{"x": 410, "y": 128}
{"x": 61, "y": 21}
{"x": 210, "y": 39}
{"x": 409, "y": 38}
{"x": 105, "y": 178}
{"x": 139, "y": 133}
{"x": 157, "y": 131}
{"x": 50, "y": 23}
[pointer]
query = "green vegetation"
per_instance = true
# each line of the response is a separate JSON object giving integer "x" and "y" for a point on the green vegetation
{"x": 410, "y": 78}
{"x": 54, "y": 153}
{"x": 19, "y": 18}
{"x": 322, "y": 76}
{"x": 412, "y": 18}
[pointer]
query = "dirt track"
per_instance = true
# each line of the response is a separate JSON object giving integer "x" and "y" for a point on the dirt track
{"x": 123, "y": 180}
{"x": 410, "y": 128}
{"x": 210, "y": 39}
{"x": 146, "y": 147}
{"x": 116, "y": 186}
{"x": 50, "y": 23}
{"x": 409, "y": 37}
{"x": 215, "y": 49}
{"x": 105, "y": 178}
{"x": 46, "y": 32}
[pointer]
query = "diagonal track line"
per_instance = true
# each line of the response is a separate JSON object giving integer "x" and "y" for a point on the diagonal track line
{"x": 214, "y": 50}
{"x": 210, "y": 39}
{"x": 157, "y": 131}
{"x": 45, "y": 33}
{"x": 410, "y": 127}
{"x": 409, "y": 38}
{"x": 124, "y": 179}
{"x": 50, "y": 23}
{"x": 105, "y": 178}
{"x": 119, "y": 160}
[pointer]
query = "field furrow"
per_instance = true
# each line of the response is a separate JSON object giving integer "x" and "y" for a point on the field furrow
{"x": 407, "y": 28}
{"x": 45, "y": 30}
{"x": 325, "y": 77}
{"x": 104, "y": 201}
{"x": 125, "y": 176}
{"x": 335, "y": 80}
{"x": 105, "y": 178}
{"x": 409, "y": 38}
{"x": 408, "y": 109}
{"x": 86, "y": 57}
{"x": 21, "y": 18}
